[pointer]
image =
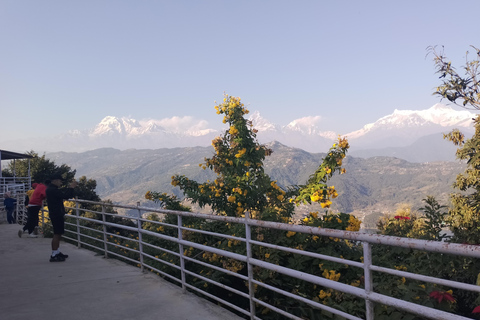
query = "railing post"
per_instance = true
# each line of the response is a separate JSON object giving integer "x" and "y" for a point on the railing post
{"x": 77, "y": 215}
{"x": 367, "y": 263}
{"x": 180, "y": 249}
{"x": 140, "y": 243}
{"x": 251, "y": 287}
{"x": 105, "y": 239}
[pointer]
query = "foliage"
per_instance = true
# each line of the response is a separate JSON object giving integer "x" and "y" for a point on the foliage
{"x": 41, "y": 169}
{"x": 434, "y": 219}
{"x": 404, "y": 223}
{"x": 463, "y": 91}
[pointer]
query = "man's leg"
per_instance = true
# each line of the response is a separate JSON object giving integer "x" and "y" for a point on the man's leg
{"x": 10, "y": 216}
{"x": 56, "y": 241}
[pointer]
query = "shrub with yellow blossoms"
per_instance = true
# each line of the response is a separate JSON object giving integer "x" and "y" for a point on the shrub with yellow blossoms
{"x": 242, "y": 185}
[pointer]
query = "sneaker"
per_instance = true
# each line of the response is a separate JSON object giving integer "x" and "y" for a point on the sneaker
{"x": 20, "y": 233}
{"x": 32, "y": 235}
{"x": 65, "y": 256}
{"x": 57, "y": 258}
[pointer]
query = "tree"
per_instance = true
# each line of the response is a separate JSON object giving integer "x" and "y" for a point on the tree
{"x": 463, "y": 90}
{"x": 242, "y": 185}
{"x": 41, "y": 168}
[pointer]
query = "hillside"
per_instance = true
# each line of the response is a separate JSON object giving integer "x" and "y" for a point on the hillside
{"x": 370, "y": 185}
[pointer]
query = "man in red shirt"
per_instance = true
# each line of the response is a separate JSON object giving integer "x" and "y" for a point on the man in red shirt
{"x": 34, "y": 205}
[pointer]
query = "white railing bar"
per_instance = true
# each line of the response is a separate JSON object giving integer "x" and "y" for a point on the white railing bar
{"x": 367, "y": 273}
{"x": 104, "y": 231}
{"x": 164, "y": 262}
{"x": 161, "y": 249}
{"x": 420, "y": 277}
{"x": 211, "y": 296}
{"x": 220, "y": 235}
{"x": 309, "y": 254}
{"x": 218, "y": 284}
{"x": 311, "y": 278}
{"x": 434, "y": 246}
{"x": 122, "y": 237}
{"x": 251, "y": 287}
{"x": 90, "y": 237}
{"x": 277, "y": 310}
{"x": 120, "y": 246}
{"x": 430, "y": 313}
{"x": 307, "y": 301}
{"x": 162, "y": 273}
{"x": 217, "y": 268}
{"x": 414, "y": 308}
{"x": 224, "y": 253}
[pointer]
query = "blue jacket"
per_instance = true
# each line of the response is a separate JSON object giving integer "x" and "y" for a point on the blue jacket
{"x": 9, "y": 203}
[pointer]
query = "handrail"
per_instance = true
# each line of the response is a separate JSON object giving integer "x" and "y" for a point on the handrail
{"x": 77, "y": 233}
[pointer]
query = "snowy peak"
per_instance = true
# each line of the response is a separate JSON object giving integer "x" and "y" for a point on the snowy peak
{"x": 260, "y": 123}
{"x": 308, "y": 126}
{"x": 113, "y": 125}
{"x": 439, "y": 115}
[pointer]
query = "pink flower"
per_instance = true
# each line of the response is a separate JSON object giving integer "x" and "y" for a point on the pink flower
{"x": 401, "y": 218}
{"x": 440, "y": 295}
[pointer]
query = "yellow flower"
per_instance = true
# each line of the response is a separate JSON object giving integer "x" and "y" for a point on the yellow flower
{"x": 267, "y": 255}
{"x": 240, "y": 153}
{"x": 290, "y": 234}
{"x": 322, "y": 294}
{"x": 231, "y": 199}
{"x": 326, "y": 204}
{"x": 314, "y": 214}
{"x": 355, "y": 283}
{"x": 280, "y": 197}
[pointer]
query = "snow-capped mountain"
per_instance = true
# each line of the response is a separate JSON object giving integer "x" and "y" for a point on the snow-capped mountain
{"x": 404, "y": 127}
{"x": 404, "y": 133}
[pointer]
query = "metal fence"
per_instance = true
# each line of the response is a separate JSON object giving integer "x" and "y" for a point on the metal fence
{"x": 96, "y": 233}
{"x": 17, "y": 187}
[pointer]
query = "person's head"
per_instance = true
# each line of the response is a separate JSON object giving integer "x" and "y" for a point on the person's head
{"x": 57, "y": 180}
{"x": 34, "y": 185}
{"x": 7, "y": 195}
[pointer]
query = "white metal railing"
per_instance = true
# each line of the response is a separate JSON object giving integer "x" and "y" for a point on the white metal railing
{"x": 366, "y": 240}
{"x": 17, "y": 187}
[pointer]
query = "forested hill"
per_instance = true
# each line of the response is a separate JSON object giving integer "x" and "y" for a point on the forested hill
{"x": 370, "y": 185}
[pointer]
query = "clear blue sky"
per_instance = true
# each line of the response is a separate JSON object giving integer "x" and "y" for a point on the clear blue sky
{"x": 67, "y": 64}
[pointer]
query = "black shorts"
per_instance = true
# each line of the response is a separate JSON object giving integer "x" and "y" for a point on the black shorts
{"x": 58, "y": 223}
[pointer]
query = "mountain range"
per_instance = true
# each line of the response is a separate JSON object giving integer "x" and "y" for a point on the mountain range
{"x": 413, "y": 135}
{"x": 369, "y": 188}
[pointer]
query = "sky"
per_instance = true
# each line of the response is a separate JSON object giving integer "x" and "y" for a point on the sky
{"x": 65, "y": 65}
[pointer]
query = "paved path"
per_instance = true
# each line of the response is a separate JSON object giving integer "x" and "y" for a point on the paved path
{"x": 86, "y": 287}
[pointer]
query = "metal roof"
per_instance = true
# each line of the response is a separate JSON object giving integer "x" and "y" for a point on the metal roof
{"x": 9, "y": 155}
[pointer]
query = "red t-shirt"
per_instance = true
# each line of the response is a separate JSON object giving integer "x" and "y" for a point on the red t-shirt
{"x": 38, "y": 195}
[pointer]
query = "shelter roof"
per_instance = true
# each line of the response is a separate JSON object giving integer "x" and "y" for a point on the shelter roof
{"x": 9, "y": 155}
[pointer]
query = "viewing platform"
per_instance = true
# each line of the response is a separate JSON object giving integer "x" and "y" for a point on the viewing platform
{"x": 87, "y": 286}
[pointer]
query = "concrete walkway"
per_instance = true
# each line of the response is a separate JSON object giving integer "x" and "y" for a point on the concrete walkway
{"x": 86, "y": 286}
